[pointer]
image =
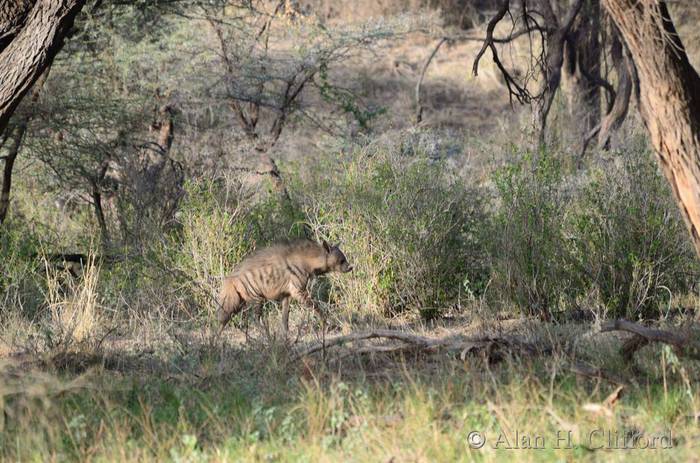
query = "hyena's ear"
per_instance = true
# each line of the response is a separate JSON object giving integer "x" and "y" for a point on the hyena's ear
{"x": 326, "y": 246}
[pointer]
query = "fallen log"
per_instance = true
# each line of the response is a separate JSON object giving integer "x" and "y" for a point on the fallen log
{"x": 682, "y": 345}
{"x": 416, "y": 342}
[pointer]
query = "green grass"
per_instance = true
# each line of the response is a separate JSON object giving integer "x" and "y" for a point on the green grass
{"x": 257, "y": 406}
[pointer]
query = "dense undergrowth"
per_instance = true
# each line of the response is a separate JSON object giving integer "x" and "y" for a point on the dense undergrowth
{"x": 536, "y": 236}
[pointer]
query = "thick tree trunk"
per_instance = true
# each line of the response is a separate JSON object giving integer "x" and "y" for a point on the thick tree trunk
{"x": 669, "y": 95}
{"x": 27, "y": 47}
{"x": 13, "y": 13}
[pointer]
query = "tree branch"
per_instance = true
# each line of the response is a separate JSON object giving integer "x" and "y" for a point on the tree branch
{"x": 419, "y": 106}
{"x": 453, "y": 343}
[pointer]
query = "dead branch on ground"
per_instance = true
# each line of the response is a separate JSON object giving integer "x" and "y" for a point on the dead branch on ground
{"x": 414, "y": 342}
{"x": 643, "y": 335}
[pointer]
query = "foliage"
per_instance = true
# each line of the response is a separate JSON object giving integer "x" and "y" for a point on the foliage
{"x": 410, "y": 229}
{"x": 614, "y": 233}
{"x": 18, "y": 246}
{"x": 628, "y": 239}
{"x": 218, "y": 224}
{"x": 528, "y": 250}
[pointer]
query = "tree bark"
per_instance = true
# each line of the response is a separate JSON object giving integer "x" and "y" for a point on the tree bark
{"x": 13, "y": 13}
{"x": 669, "y": 98}
{"x": 28, "y": 46}
{"x": 582, "y": 67}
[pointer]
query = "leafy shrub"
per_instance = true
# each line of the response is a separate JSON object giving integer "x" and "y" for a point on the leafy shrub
{"x": 18, "y": 268}
{"x": 628, "y": 239}
{"x": 613, "y": 233}
{"x": 528, "y": 249}
{"x": 407, "y": 227}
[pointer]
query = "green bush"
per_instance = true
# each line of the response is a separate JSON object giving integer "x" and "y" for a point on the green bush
{"x": 528, "y": 250}
{"x": 409, "y": 229}
{"x": 20, "y": 269}
{"x": 628, "y": 239}
{"x": 612, "y": 233}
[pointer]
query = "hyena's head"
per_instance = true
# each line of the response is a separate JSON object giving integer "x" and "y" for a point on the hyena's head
{"x": 337, "y": 262}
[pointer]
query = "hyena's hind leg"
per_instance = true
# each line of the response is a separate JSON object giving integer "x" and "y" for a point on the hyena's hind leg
{"x": 230, "y": 303}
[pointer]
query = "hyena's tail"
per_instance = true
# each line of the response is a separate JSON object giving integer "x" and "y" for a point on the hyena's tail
{"x": 230, "y": 303}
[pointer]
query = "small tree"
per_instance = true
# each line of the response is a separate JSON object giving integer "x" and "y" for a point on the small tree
{"x": 107, "y": 151}
{"x": 264, "y": 65}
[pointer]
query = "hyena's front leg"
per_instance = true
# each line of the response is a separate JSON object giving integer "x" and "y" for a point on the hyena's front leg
{"x": 302, "y": 296}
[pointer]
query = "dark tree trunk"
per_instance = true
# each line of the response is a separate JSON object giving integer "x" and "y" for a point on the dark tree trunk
{"x": 626, "y": 84}
{"x": 556, "y": 36}
{"x": 618, "y": 102}
{"x": 669, "y": 98}
{"x": 33, "y": 37}
{"x": 16, "y": 142}
{"x": 99, "y": 213}
{"x": 16, "y": 138}
{"x": 582, "y": 68}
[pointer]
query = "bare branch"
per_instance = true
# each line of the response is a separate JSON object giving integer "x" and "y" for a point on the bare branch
{"x": 514, "y": 88}
{"x": 488, "y": 41}
{"x": 230, "y": 70}
{"x": 419, "y": 106}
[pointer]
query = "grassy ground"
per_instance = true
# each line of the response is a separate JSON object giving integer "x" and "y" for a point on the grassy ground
{"x": 189, "y": 398}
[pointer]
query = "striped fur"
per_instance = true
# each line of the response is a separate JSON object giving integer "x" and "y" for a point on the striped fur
{"x": 278, "y": 273}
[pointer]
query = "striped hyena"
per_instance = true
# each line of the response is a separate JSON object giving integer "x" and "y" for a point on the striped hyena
{"x": 278, "y": 273}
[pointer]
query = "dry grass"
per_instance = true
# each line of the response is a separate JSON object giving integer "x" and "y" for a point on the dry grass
{"x": 189, "y": 400}
{"x": 73, "y": 304}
